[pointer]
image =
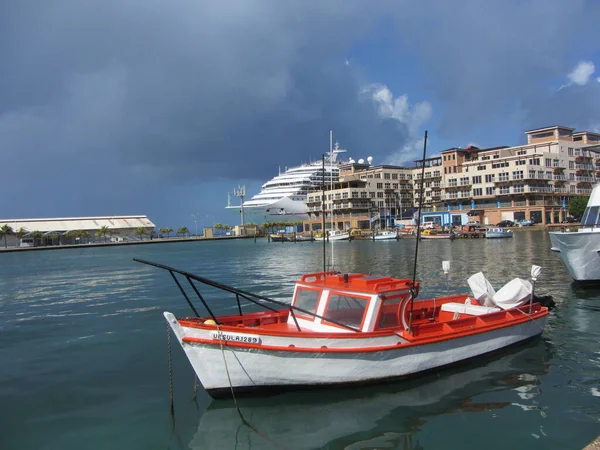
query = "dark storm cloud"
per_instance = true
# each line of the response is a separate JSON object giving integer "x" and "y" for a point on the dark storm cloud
{"x": 181, "y": 90}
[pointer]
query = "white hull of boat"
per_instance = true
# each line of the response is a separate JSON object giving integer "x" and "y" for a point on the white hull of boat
{"x": 385, "y": 236}
{"x": 335, "y": 237}
{"x": 344, "y": 361}
{"x": 498, "y": 235}
{"x": 579, "y": 252}
{"x": 284, "y": 209}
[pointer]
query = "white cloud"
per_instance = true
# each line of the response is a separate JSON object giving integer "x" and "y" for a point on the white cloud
{"x": 398, "y": 108}
{"x": 413, "y": 117}
{"x": 581, "y": 74}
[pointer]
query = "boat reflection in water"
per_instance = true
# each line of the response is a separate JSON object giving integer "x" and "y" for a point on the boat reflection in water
{"x": 365, "y": 417}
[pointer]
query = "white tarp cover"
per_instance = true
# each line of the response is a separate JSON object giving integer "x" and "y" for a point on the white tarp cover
{"x": 514, "y": 293}
{"x": 482, "y": 289}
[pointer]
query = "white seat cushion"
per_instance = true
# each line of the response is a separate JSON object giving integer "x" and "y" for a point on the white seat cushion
{"x": 482, "y": 289}
{"x": 473, "y": 310}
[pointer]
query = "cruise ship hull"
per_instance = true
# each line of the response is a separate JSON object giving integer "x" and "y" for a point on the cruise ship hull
{"x": 283, "y": 210}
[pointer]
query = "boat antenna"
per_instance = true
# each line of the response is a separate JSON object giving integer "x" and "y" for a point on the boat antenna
{"x": 331, "y": 180}
{"x": 323, "y": 212}
{"x": 412, "y": 296}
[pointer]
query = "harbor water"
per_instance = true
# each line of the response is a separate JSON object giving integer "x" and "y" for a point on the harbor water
{"x": 85, "y": 361}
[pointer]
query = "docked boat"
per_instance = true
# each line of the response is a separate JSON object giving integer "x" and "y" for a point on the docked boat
{"x": 579, "y": 250}
{"x": 334, "y": 235}
{"x": 498, "y": 233}
{"x": 342, "y": 329}
{"x": 436, "y": 234}
{"x": 385, "y": 235}
{"x": 279, "y": 238}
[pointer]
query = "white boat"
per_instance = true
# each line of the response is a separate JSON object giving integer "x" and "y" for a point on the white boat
{"x": 498, "y": 233}
{"x": 284, "y": 197}
{"x": 460, "y": 391}
{"x": 579, "y": 250}
{"x": 386, "y": 235}
{"x": 335, "y": 235}
{"x": 342, "y": 329}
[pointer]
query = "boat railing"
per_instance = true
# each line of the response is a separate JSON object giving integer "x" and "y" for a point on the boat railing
{"x": 256, "y": 299}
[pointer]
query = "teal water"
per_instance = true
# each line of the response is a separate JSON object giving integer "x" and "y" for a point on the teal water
{"x": 84, "y": 356}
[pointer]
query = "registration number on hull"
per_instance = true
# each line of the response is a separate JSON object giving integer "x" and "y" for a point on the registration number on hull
{"x": 234, "y": 337}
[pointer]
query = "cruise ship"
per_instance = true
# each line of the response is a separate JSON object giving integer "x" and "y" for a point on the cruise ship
{"x": 284, "y": 197}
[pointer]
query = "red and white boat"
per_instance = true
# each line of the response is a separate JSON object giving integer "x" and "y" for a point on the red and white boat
{"x": 349, "y": 328}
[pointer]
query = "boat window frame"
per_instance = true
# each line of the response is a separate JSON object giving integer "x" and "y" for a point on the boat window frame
{"x": 300, "y": 314}
{"x": 384, "y": 298}
{"x": 368, "y": 298}
{"x": 585, "y": 220}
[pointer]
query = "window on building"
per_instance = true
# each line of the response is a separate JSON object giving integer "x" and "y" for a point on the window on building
{"x": 571, "y": 165}
{"x": 476, "y": 179}
{"x": 394, "y": 176}
{"x": 520, "y": 162}
{"x": 548, "y": 162}
{"x": 517, "y": 175}
{"x": 380, "y": 195}
{"x": 489, "y": 190}
{"x": 481, "y": 167}
{"x": 490, "y": 178}
{"x": 387, "y": 176}
{"x": 570, "y": 151}
{"x": 378, "y": 175}
{"x": 477, "y": 192}
{"x": 354, "y": 194}
{"x": 363, "y": 194}
{"x": 379, "y": 185}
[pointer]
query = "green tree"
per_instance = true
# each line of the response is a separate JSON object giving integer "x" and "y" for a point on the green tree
{"x": 168, "y": 230}
{"x": 577, "y": 205}
{"x": 5, "y": 230}
{"x": 37, "y": 237}
{"x": 20, "y": 234}
{"x": 102, "y": 232}
{"x": 52, "y": 236}
{"x": 140, "y": 231}
{"x": 183, "y": 231}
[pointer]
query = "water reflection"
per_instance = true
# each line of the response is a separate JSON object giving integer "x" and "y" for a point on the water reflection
{"x": 386, "y": 416}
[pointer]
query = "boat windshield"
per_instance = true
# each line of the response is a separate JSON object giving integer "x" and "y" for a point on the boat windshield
{"x": 346, "y": 309}
{"x": 590, "y": 217}
{"x": 307, "y": 299}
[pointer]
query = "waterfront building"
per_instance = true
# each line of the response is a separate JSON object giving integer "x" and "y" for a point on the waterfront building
{"x": 533, "y": 181}
{"x": 72, "y": 230}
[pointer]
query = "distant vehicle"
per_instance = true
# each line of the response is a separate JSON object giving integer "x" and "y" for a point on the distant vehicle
{"x": 571, "y": 219}
{"x": 524, "y": 223}
{"x": 505, "y": 223}
{"x": 472, "y": 223}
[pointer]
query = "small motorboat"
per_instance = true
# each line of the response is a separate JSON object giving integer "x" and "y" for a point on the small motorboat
{"x": 498, "y": 233}
{"x": 436, "y": 234}
{"x": 385, "y": 235}
{"x": 334, "y": 235}
{"x": 343, "y": 329}
{"x": 279, "y": 238}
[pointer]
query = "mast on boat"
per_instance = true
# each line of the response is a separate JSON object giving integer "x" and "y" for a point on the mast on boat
{"x": 412, "y": 297}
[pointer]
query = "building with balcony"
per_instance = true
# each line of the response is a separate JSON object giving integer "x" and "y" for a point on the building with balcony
{"x": 533, "y": 181}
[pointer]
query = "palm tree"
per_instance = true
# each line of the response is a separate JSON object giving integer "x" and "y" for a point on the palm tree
{"x": 37, "y": 237}
{"x": 140, "y": 231}
{"x": 5, "y": 230}
{"x": 102, "y": 232}
{"x": 168, "y": 230}
{"x": 71, "y": 234}
{"x": 52, "y": 236}
{"x": 183, "y": 231}
{"x": 20, "y": 234}
{"x": 150, "y": 233}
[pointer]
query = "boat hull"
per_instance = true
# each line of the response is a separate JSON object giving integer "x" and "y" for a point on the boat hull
{"x": 579, "y": 252}
{"x": 359, "y": 360}
{"x": 284, "y": 209}
{"x": 498, "y": 235}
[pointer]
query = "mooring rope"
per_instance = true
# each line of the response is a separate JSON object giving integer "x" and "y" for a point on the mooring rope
{"x": 237, "y": 407}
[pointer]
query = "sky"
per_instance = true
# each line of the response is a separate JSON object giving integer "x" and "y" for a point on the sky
{"x": 119, "y": 107}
